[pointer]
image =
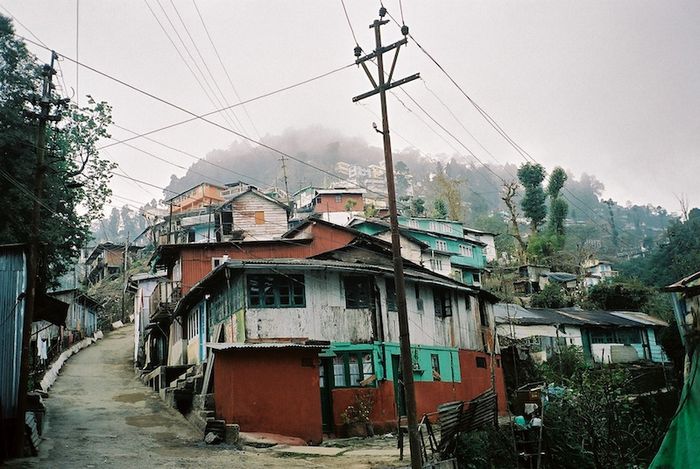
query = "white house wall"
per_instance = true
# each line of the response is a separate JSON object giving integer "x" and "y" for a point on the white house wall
{"x": 323, "y": 318}
{"x": 244, "y": 209}
{"x": 409, "y": 249}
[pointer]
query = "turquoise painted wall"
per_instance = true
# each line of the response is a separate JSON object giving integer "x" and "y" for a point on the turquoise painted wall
{"x": 476, "y": 260}
{"x": 447, "y": 357}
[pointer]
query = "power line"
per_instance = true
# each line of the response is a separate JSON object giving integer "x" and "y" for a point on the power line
{"x": 184, "y": 61}
{"x": 216, "y": 111}
{"x": 206, "y": 67}
{"x": 221, "y": 62}
{"x": 497, "y": 127}
{"x": 347, "y": 17}
{"x": 190, "y": 155}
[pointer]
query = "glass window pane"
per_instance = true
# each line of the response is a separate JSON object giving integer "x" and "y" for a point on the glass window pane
{"x": 339, "y": 371}
{"x": 367, "y": 368}
{"x": 354, "y": 371}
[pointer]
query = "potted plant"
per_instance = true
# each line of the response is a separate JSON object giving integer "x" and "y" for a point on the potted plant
{"x": 356, "y": 416}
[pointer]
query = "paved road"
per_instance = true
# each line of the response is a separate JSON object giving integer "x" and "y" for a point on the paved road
{"x": 100, "y": 415}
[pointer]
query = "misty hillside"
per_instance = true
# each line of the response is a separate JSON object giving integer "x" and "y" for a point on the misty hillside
{"x": 590, "y": 219}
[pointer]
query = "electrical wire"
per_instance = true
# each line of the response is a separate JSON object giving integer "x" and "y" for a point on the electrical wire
{"x": 347, "y": 17}
{"x": 221, "y": 62}
{"x": 190, "y": 155}
{"x": 206, "y": 67}
{"x": 497, "y": 127}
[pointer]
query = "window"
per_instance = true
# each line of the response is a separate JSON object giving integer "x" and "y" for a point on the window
{"x": 276, "y": 291}
{"x": 432, "y": 226}
{"x": 413, "y": 223}
{"x": 226, "y": 222}
{"x": 351, "y": 368}
{"x": 419, "y": 300}
{"x": 259, "y": 217}
{"x": 190, "y": 236}
{"x": 435, "y": 362}
{"x": 468, "y": 302}
{"x": 357, "y": 292}
{"x": 338, "y": 199}
{"x": 483, "y": 314}
{"x": 435, "y": 264}
{"x": 603, "y": 336}
{"x": 391, "y": 295}
{"x": 628, "y": 336}
{"x": 465, "y": 250}
{"x": 480, "y": 362}
{"x": 476, "y": 277}
{"x": 443, "y": 302}
{"x": 193, "y": 323}
{"x": 440, "y": 245}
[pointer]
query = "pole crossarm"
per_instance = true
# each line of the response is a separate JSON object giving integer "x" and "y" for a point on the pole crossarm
{"x": 386, "y": 87}
{"x": 380, "y": 87}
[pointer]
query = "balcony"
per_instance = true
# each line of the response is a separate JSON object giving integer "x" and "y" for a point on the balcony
{"x": 163, "y": 300}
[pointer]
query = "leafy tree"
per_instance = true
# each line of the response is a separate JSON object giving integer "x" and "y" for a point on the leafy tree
{"x": 370, "y": 211}
{"x": 76, "y": 178}
{"x": 551, "y": 296}
{"x": 676, "y": 258}
{"x": 417, "y": 207}
{"x": 350, "y": 205}
{"x": 448, "y": 191}
{"x": 558, "y": 208}
{"x": 440, "y": 209}
{"x": 533, "y": 204}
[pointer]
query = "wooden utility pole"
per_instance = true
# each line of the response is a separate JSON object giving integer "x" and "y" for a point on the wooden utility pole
{"x": 43, "y": 116}
{"x": 380, "y": 87}
{"x": 126, "y": 279}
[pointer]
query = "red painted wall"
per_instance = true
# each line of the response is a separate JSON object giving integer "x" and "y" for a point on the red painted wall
{"x": 428, "y": 394}
{"x": 269, "y": 390}
{"x": 328, "y": 203}
{"x": 196, "y": 260}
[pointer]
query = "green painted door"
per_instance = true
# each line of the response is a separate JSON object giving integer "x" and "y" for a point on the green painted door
{"x": 399, "y": 396}
{"x": 325, "y": 371}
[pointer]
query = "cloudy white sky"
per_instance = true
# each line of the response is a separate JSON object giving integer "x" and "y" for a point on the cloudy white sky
{"x": 611, "y": 88}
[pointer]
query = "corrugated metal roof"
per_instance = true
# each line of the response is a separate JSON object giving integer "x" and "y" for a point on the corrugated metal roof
{"x": 13, "y": 283}
{"x": 641, "y": 317}
{"x": 507, "y": 313}
{"x": 263, "y": 345}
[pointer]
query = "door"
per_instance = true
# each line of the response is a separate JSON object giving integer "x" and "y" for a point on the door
{"x": 325, "y": 371}
{"x": 399, "y": 396}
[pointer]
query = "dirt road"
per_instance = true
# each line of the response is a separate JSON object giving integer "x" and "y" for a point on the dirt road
{"x": 100, "y": 415}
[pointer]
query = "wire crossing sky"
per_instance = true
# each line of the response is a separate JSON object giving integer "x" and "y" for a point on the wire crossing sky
{"x": 605, "y": 88}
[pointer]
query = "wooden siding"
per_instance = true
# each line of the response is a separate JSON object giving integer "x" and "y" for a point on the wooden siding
{"x": 328, "y": 203}
{"x": 197, "y": 260}
{"x": 271, "y": 223}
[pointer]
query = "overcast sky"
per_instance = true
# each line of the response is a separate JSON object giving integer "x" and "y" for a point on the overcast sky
{"x": 611, "y": 88}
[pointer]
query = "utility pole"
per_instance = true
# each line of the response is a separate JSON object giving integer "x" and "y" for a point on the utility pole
{"x": 380, "y": 87}
{"x": 43, "y": 116}
{"x": 284, "y": 173}
{"x": 126, "y": 266}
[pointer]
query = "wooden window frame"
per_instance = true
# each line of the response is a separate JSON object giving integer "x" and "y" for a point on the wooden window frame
{"x": 295, "y": 293}
{"x": 344, "y": 356}
{"x": 356, "y": 299}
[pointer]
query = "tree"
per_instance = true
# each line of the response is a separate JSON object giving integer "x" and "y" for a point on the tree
{"x": 417, "y": 207}
{"x": 440, "y": 209}
{"x": 76, "y": 178}
{"x": 558, "y": 208}
{"x": 510, "y": 190}
{"x": 677, "y": 257}
{"x": 533, "y": 204}
{"x": 448, "y": 190}
{"x": 350, "y": 205}
{"x": 551, "y": 296}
